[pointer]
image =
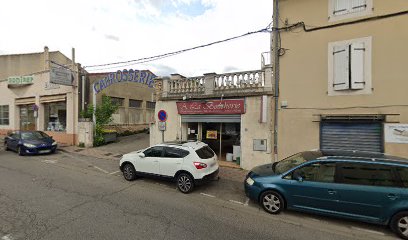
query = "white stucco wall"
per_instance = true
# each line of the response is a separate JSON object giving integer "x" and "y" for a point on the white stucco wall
{"x": 251, "y": 128}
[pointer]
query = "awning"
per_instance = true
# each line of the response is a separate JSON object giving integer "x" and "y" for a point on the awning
{"x": 53, "y": 98}
{"x": 25, "y": 101}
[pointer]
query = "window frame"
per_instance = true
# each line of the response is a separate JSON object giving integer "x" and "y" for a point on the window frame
{"x": 367, "y": 67}
{"x": 159, "y": 147}
{"x": 140, "y": 103}
{"x": 4, "y": 121}
{"x": 333, "y": 18}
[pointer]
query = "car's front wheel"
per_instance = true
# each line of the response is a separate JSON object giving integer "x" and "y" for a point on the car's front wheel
{"x": 20, "y": 151}
{"x": 399, "y": 224}
{"x": 129, "y": 172}
{"x": 185, "y": 182}
{"x": 272, "y": 202}
{"x": 6, "y": 146}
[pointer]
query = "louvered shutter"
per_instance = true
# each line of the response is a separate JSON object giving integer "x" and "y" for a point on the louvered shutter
{"x": 358, "y": 5}
{"x": 340, "y": 7}
{"x": 341, "y": 67}
{"x": 357, "y": 66}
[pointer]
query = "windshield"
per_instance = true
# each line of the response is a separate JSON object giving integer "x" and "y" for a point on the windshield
{"x": 295, "y": 160}
{"x": 33, "y": 135}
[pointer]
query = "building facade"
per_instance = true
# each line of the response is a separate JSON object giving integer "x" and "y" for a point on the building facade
{"x": 231, "y": 112}
{"x": 132, "y": 90}
{"x": 342, "y": 75}
{"x": 38, "y": 91}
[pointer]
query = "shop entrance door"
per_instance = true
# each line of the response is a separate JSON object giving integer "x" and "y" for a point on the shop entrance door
{"x": 192, "y": 131}
{"x": 27, "y": 119}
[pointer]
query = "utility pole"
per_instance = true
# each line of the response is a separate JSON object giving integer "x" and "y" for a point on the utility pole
{"x": 275, "y": 59}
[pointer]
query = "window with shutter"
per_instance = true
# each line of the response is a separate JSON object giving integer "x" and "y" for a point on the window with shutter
{"x": 357, "y": 65}
{"x": 341, "y": 7}
{"x": 349, "y": 63}
{"x": 357, "y": 5}
{"x": 341, "y": 67}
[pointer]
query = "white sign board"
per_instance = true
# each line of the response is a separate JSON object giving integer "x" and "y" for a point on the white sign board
{"x": 162, "y": 126}
{"x": 61, "y": 76}
{"x": 396, "y": 133}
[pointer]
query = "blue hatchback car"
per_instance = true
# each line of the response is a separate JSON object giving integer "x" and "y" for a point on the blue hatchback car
{"x": 369, "y": 187}
{"x": 30, "y": 142}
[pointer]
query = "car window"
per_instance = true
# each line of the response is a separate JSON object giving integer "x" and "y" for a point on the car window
{"x": 171, "y": 152}
{"x": 317, "y": 172}
{"x": 153, "y": 152}
{"x": 403, "y": 174}
{"x": 15, "y": 136}
{"x": 366, "y": 174}
{"x": 205, "y": 152}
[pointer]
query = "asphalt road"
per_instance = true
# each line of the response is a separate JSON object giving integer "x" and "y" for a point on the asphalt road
{"x": 66, "y": 196}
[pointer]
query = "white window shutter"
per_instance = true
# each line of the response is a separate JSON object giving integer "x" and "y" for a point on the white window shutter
{"x": 341, "y": 67}
{"x": 358, "y": 5}
{"x": 357, "y": 65}
{"x": 341, "y": 7}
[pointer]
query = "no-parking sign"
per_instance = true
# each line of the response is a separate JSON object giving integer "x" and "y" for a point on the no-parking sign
{"x": 162, "y": 116}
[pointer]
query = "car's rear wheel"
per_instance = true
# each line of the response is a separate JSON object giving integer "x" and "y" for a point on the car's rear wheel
{"x": 20, "y": 151}
{"x": 185, "y": 183}
{"x": 272, "y": 202}
{"x": 399, "y": 224}
{"x": 129, "y": 172}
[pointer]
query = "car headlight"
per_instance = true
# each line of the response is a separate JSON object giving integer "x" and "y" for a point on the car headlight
{"x": 54, "y": 143}
{"x": 250, "y": 181}
{"x": 29, "y": 145}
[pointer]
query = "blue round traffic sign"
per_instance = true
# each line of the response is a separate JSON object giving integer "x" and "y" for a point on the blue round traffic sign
{"x": 162, "y": 115}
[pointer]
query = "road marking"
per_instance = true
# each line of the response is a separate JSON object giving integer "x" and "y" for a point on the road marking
{"x": 114, "y": 172}
{"x": 207, "y": 195}
{"x": 7, "y": 237}
{"x": 100, "y": 169}
{"x": 368, "y": 230}
{"x": 237, "y": 202}
{"x": 49, "y": 161}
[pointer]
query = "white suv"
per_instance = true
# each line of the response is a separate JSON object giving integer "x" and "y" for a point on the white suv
{"x": 187, "y": 163}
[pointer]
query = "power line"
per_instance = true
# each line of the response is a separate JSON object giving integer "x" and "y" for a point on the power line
{"x": 160, "y": 56}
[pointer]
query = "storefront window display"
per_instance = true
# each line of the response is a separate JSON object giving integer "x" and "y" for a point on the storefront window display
{"x": 55, "y": 116}
{"x": 27, "y": 119}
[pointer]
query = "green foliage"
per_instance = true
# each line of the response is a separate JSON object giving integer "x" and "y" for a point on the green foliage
{"x": 103, "y": 115}
{"x": 87, "y": 113}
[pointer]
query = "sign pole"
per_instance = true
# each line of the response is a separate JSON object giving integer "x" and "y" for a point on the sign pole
{"x": 162, "y": 136}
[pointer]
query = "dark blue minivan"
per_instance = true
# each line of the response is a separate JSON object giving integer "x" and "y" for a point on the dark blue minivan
{"x": 369, "y": 187}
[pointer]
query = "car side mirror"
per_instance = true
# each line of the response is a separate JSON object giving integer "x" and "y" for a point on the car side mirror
{"x": 142, "y": 155}
{"x": 297, "y": 176}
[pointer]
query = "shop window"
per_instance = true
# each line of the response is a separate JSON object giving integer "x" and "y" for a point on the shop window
{"x": 4, "y": 115}
{"x": 55, "y": 116}
{"x": 135, "y": 103}
{"x": 117, "y": 101}
{"x": 150, "y": 105}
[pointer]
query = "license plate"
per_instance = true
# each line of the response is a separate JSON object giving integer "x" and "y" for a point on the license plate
{"x": 44, "y": 151}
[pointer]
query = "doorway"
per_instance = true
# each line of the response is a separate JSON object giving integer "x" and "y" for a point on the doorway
{"x": 27, "y": 118}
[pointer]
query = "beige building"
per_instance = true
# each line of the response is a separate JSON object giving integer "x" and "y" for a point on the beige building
{"x": 38, "y": 91}
{"x": 231, "y": 112}
{"x": 132, "y": 90}
{"x": 342, "y": 75}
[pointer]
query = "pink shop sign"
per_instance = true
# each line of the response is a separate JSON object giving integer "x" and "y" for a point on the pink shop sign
{"x": 233, "y": 106}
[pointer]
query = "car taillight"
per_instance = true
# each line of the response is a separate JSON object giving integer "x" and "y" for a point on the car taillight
{"x": 200, "y": 165}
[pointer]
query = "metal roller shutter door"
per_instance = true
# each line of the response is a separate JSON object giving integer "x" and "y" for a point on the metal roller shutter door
{"x": 211, "y": 118}
{"x": 352, "y": 136}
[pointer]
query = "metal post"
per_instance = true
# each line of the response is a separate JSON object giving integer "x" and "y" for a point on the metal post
{"x": 162, "y": 136}
{"x": 275, "y": 35}
{"x": 221, "y": 140}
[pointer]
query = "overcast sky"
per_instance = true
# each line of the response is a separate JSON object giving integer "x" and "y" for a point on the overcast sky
{"x": 105, "y": 31}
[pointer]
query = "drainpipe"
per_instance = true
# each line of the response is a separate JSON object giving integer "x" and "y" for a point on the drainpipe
{"x": 275, "y": 52}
